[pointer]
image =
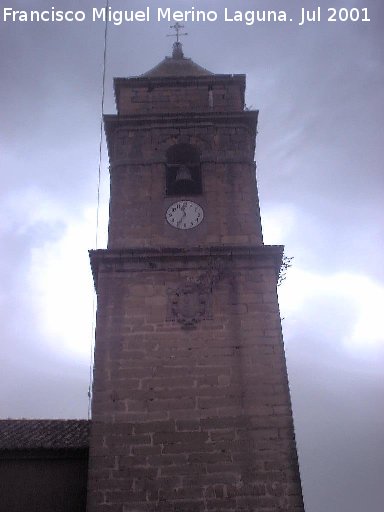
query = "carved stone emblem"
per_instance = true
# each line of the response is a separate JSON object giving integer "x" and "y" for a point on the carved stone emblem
{"x": 191, "y": 302}
{"x": 188, "y": 304}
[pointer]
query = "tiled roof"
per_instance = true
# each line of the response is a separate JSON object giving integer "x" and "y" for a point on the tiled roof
{"x": 44, "y": 434}
{"x": 177, "y": 67}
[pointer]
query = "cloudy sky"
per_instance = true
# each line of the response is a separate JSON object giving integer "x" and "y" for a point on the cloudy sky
{"x": 320, "y": 91}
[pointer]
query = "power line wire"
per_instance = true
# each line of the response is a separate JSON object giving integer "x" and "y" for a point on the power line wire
{"x": 98, "y": 206}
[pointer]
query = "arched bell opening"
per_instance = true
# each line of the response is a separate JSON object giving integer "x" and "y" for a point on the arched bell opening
{"x": 183, "y": 173}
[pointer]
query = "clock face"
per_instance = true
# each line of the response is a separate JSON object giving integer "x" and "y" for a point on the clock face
{"x": 184, "y": 215}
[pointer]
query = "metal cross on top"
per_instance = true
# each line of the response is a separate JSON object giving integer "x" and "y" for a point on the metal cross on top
{"x": 177, "y": 28}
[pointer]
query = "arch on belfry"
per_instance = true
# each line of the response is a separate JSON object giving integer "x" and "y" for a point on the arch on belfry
{"x": 183, "y": 170}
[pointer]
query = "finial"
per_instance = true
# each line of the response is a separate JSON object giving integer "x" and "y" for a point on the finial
{"x": 177, "y": 52}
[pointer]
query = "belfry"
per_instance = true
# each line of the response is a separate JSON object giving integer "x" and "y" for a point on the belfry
{"x": 191, "y": 408}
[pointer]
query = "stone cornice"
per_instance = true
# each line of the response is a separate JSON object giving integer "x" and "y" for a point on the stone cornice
{"x": 138, "y": 259}
{"x": 242, "y": 117}
{"x": 245, "y": 118}
{"x": 143, "y": 80}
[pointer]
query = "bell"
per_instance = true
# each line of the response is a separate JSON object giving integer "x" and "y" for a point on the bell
{"x": 183, "y": 174}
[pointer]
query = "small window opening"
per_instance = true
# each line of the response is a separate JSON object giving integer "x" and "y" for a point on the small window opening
{"x": 210, "y": 96}
{"x": 183, "y": 174}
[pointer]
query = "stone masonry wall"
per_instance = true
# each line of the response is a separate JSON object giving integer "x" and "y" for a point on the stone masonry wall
{"x": 229, "y": 199}
{"x": 147, "y": 96}
{"x": 191, "y": 417}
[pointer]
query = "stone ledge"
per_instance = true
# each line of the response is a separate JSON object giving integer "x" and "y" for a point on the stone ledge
{"x": 211, "y": 117}
{"x": 146, "y": 258}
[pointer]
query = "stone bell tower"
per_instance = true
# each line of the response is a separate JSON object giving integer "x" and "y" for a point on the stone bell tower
{"x": 191, "y": 406}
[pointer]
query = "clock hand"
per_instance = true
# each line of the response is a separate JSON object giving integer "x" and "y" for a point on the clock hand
{"x": 183, "y": 207}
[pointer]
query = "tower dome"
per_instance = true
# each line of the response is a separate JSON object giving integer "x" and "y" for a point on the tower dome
{"x": 177, "y": 65}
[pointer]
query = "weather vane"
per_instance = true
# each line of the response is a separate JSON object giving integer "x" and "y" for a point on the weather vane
{"x": 177, "y": 28}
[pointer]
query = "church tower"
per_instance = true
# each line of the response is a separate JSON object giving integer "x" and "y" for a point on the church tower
{"x": 191, "y": 407}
